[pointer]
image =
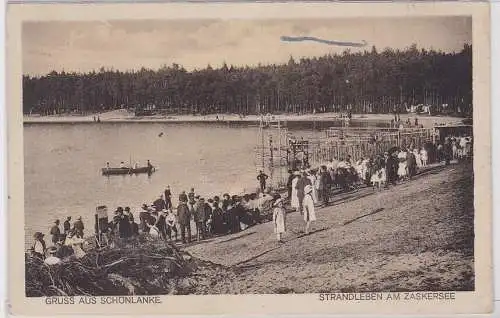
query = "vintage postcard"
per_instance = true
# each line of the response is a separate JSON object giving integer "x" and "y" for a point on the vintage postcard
{"x": 293, "y": 158}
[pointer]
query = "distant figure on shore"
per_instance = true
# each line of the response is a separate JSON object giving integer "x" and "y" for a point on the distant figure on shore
{"x": 308, "y": 205}
{"x": 67, "y": 225}
{"x": 279, "y": 219}
{"x": 262, "y": 178}
{"x": 55, "y": 231}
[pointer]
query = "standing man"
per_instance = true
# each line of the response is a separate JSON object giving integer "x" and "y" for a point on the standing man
{"x": 262, "y": 177}
{"x": 183, "y": 197}
{"x": 78, "y": 226}
{"x": 325, "y": 181}
{"x": 184, "y": 218}
{"x": 55, "y": 231}
{"x": 390, "y": 168}
{"x": 191, "y": 195}
{"x": 168, "y": 198}
{"x": 200, "y": 218}
{"x": 67, "y": 225}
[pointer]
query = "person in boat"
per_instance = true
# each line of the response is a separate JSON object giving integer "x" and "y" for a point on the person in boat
{"x": 107, "y": 165}
{"x": 136, "y": 165}
{"x": 55, "y": 231}
{"x": 39, "y": 247}
{"x": 150, "y": 166}
{"x": 78, "y": 227}
{"x": 122, "y": 165}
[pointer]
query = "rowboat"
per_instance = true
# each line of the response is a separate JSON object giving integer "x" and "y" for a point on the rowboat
{"x": 118, "y": 171}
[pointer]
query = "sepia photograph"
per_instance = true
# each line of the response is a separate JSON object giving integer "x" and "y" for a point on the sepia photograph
{"x": 223, "y": 156}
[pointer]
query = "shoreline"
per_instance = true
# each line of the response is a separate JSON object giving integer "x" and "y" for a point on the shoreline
{"x": 124, "y": 117}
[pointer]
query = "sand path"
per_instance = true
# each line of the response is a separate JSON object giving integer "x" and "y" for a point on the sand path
{"x": 415, "y": 236}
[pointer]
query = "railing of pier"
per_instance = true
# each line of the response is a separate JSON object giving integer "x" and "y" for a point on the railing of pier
{"x": 362, "y": 146}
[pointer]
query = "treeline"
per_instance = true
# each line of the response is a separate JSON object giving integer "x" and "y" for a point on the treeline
{"x": 370, "y": 81}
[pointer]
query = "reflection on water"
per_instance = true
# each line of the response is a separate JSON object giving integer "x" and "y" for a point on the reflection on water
{"x": 63, "y": 162}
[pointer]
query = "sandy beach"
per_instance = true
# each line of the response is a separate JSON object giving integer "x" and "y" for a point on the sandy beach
{"x": 414, "y": 237}
{"x": 125, "y": 116}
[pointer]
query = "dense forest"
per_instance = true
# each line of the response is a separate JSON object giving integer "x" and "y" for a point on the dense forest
{"x": 369, "y": 81}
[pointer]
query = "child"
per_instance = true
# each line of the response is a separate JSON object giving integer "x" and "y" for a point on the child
{"x": 279, "y": 219}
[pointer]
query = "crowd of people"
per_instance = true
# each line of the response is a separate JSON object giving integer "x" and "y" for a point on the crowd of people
{"x": 197, "y": 218}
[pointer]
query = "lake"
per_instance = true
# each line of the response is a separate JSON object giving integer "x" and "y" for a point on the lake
{"x": 63, "y": 165}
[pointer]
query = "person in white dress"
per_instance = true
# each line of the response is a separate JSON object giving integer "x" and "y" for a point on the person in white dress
{"x": 417, "y": 158}
{"x": 312, "y": 177}
{"x": 76, "y": 243}
{"x": 378, "y": 178}
{"x": 308, "y": 208}
{"x": 279, "y": 219}
{"x": 403, "y": 165}
{"x": 295, "y": 198}
{"x": 423, "y": 157}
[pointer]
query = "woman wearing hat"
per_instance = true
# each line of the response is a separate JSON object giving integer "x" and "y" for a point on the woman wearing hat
{"x": 279, "y": 218}
{"x": 308, "y": 207}
{"x": 39, "y": 247}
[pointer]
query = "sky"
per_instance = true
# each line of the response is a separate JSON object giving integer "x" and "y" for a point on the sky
{"x": 132, "y": 44}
